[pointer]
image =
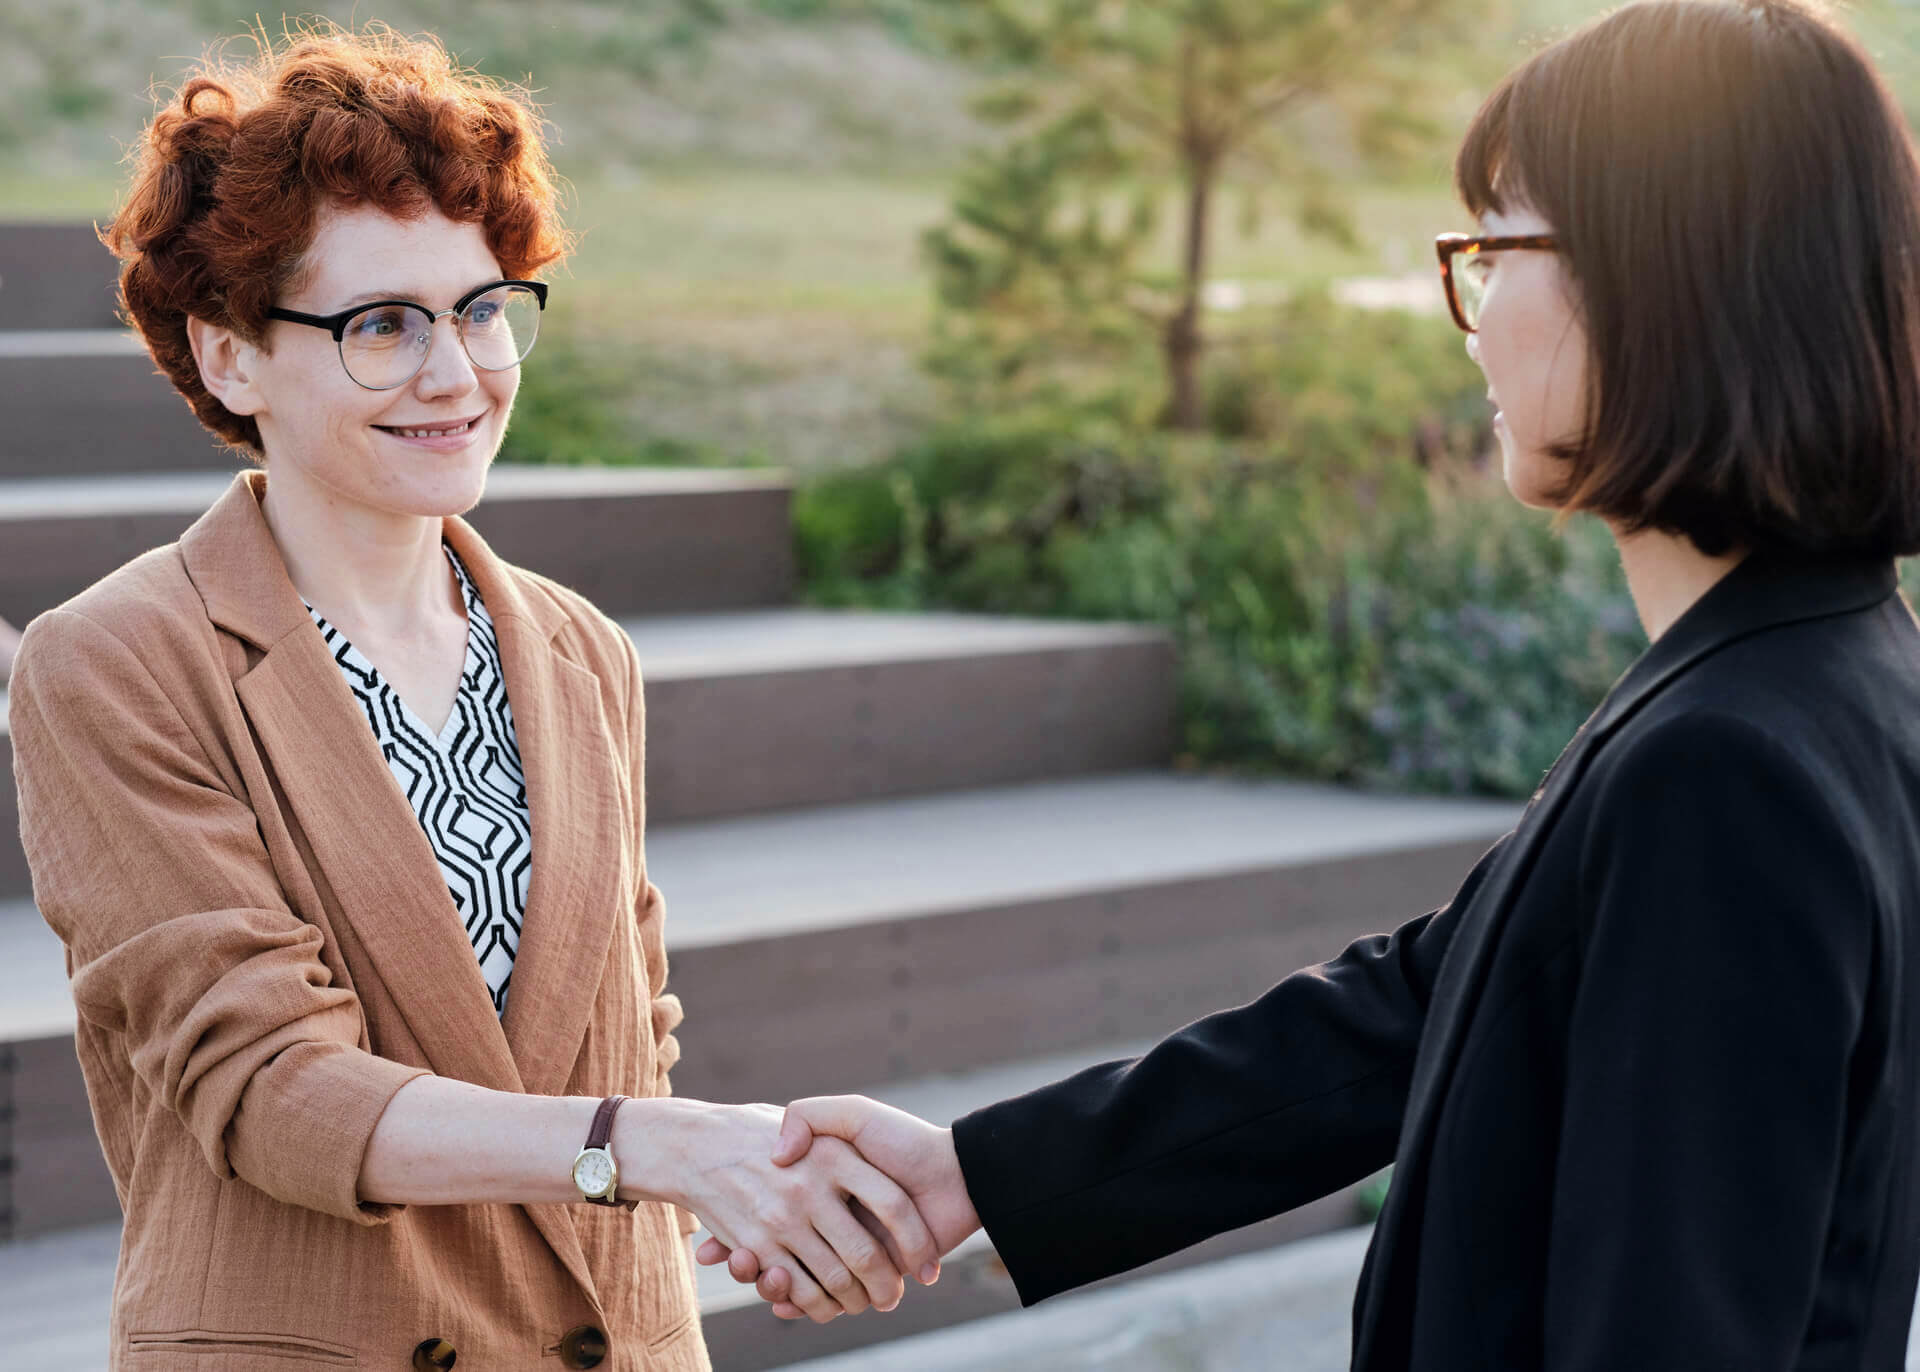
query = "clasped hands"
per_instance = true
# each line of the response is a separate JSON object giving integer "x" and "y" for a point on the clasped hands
{"x": 853, "y": 1196}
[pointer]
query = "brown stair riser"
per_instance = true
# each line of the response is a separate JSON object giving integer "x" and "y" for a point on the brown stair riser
{"x": 732, "y": 745}
{"x": 653, "y": 553}
{"x": 812, "y": 1013}
{"x": 909, "y": 998}
{"x": 55, "y": 276}
{"x": 92, "y": 415}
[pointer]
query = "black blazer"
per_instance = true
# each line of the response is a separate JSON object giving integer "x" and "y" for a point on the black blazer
{"x": 1647, "y": 1080}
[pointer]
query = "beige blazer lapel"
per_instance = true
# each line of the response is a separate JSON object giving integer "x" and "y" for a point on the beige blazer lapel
{"x": 367, "y": 839}
{"x": 369, "y": 842}
{"x": 583, "y": 860}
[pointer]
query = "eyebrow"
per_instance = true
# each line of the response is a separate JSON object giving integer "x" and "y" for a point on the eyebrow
{"x": 413, "y": 297}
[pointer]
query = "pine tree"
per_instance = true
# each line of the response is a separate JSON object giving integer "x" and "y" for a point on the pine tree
{"x": 1041, "y": 276}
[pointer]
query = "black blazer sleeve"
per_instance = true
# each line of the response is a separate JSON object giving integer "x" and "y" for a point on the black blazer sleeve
{"x": 1714, "y": 1054}
{"x": 1238, "y": 1116}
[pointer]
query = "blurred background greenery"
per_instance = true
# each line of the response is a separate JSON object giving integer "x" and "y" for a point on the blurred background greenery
{"x": 1053, "y": 306}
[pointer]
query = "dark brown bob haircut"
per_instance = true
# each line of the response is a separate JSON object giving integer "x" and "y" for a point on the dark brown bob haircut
{"x": 1736, "y": 196}
{"x": 230, "y": 176}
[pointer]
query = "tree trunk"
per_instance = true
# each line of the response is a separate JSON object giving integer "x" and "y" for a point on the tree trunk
{"x": 1181, "y": 341}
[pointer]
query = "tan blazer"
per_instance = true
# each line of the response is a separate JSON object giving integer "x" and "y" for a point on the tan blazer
{"x": 262, "y": 951}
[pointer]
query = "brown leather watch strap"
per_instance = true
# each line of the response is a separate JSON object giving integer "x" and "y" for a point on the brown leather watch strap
{"x": 598, "y": 1136}
{"x": 602, "y": 1129}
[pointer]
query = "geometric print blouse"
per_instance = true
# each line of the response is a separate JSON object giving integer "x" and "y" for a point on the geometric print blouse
{"x": 465, "y": 784}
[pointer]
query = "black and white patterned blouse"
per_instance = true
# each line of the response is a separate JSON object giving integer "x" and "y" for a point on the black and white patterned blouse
{"x": 465, "y": 785}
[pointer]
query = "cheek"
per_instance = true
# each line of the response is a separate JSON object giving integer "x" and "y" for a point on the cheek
{"x": 1536, "y": 363}
{"x": 308, "y": 392}
{"x": 502, "y": 386}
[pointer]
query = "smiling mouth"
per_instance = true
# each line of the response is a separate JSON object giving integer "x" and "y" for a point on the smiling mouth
{"x": 430, "y": 430}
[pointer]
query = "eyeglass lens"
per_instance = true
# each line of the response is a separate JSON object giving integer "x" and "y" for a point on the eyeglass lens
{"x": 1470, "y": 270}
{"x": 384, "y": 345}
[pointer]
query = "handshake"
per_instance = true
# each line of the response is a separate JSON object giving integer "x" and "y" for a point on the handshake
{"x": 857, "y": 1196}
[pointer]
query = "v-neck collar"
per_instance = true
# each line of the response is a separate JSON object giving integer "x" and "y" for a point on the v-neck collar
{"x": 470, "y": 598}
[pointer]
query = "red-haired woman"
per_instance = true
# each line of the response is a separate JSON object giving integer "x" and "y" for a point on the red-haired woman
{"x": 1648, "y": 1080}
{"x": 339, "y": 816}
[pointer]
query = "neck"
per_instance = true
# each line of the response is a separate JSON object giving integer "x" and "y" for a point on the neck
{"x": 373, "y": 569}
{"x": 1666, "y": 574}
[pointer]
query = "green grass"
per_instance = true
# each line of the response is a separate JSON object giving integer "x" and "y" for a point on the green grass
{"x": 37, "y": 198}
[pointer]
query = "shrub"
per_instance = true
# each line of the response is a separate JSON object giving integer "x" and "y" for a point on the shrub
{"x": 1353, "y": 597}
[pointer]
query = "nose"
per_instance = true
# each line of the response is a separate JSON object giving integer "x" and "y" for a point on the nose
{"x": 1473, "y": 348}
{"x": 448, "y": 370}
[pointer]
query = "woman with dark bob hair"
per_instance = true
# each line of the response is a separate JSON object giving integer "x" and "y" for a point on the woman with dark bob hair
{"x": 1648, "y": 1080}
{"x": 339, "y": 816}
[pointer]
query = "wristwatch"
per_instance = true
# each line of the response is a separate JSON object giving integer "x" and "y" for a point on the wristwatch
{"x": 594, "y": 1170}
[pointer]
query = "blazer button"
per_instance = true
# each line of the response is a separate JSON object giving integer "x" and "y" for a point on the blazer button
{"x": 433, "y": 1354}
{"x": 583, "y": 1346}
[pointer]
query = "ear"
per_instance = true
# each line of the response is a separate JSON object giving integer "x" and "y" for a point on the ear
{"x": 230, "y": 367}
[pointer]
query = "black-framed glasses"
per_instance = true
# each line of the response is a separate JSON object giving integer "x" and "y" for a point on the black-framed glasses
{"x": 384, "y": 344}
{"x": 1464, "y": 266}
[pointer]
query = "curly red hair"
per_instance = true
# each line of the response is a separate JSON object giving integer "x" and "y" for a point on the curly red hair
{"x": 232, "y": 173}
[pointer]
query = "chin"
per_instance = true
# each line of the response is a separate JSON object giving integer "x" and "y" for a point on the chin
{"x": 1526, "y": 475}
{"x": 450, "y": 491}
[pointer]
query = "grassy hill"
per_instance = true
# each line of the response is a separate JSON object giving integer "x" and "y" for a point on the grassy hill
{"x": 790, "y": 84}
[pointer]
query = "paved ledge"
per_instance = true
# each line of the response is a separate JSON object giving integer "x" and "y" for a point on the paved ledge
{"x": 734, "y": 879}
{"x": 34, "y": 999}
{"x": 751, "y": 642}
{"x": 51, "y": 497}
{"x": 69, "y": 343}
{"x": 1289, "y": 1307}
{"x": 842, "y": 866}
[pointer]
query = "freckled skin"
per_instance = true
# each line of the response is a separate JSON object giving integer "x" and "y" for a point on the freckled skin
{"x": 1533, "y": 350}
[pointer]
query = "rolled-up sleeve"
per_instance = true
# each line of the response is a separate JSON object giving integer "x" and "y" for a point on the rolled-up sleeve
{"x": 179, "y": 939}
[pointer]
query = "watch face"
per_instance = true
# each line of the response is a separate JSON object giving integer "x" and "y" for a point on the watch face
{"x": 593, "y": 1172}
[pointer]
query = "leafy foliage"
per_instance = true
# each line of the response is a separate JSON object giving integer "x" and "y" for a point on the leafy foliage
{"x": 1341, "y": 611}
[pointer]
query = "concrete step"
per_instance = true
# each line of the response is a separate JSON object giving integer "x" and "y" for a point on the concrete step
{"x": 90, "y": 401}
{"x": 912, "y": 938}
{"x": 1288, "y": 1307}
{"x": 634, "y": 540}
{"x": 55, "y": 276}
{"x": 14, "y": 879}
{"x": 766, "y": 709}
{"x": 939, "y": 933}
{"x": 771, "y": 709}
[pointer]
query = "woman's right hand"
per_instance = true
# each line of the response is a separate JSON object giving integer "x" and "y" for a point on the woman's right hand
{"x": 716, "y": 1161}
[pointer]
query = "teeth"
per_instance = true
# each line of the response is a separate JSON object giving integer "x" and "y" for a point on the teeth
{"x": 434, "y": 433}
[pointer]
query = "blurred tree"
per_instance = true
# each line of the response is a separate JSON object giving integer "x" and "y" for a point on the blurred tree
{"x": 1041, "y": 270}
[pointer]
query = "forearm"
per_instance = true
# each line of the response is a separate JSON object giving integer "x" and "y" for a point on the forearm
{"x": 447, "y": 1142}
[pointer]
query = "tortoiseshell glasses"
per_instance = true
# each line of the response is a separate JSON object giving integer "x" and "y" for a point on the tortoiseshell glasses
{"x": 1466, "y": 278}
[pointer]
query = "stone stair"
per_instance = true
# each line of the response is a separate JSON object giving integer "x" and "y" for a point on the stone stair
{"x": 934, "y": 857}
